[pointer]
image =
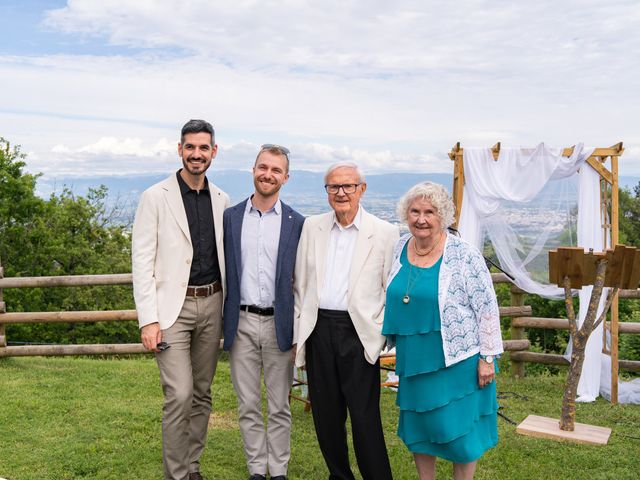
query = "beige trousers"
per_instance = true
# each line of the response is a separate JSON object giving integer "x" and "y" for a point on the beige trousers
{"x": 186, "y": 372}
{"x": 255, "y": 350}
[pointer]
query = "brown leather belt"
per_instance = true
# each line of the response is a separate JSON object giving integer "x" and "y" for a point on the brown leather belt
{"x": 204, "y": 290}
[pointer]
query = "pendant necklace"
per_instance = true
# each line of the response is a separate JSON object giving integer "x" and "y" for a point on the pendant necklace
{"x": 411, "y": 281}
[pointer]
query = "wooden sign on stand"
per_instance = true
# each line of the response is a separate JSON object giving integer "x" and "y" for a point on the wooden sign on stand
{"x": 569, "y": 268}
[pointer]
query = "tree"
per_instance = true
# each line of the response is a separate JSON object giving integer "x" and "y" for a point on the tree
{"x": 63, "y": 235}
{"x": 629, "y": 208}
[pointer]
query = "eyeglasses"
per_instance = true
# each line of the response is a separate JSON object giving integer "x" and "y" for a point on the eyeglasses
{"x": 346, "y": 188}
{"x": 268, "y": 146}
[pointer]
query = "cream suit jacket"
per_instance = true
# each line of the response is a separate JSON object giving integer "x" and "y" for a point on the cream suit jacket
{"x": 161, "y": 251}
{"x": 370, "y": 266}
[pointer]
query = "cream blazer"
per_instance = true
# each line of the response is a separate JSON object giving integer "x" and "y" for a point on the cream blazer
{"x": 161, "y": 251}
{"x": 372, "y": 260}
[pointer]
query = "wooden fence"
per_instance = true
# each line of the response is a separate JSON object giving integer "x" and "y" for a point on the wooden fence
{"x": 517, "y": 347}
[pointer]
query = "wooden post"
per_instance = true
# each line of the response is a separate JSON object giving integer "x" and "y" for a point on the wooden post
{"x": 614, "y": 304}
{"x": 3, "y": 335}
{"x": 517, "y": 333}
{"x": 458, "y": 179}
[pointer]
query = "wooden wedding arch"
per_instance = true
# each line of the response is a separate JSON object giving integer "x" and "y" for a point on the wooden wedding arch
{"x": 609, "y": 190}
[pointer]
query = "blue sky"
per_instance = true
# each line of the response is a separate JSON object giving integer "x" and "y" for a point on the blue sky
{"x": 103, "y": 87}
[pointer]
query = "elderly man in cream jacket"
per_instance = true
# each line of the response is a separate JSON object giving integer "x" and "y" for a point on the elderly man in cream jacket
{"x": 343, "y": 260}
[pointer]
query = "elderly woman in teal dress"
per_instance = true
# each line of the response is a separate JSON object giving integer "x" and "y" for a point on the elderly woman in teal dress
{"x": 441, "y": 313}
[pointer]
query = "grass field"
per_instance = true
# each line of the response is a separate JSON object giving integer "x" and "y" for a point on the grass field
{"x": 79, "y": 418}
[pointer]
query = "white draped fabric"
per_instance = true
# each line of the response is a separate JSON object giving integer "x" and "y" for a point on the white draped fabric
{"x": 590, "y": 236}
{"x": 518, "y": 175}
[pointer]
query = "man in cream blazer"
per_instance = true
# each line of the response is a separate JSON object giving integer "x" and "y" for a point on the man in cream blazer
{"x": 178, "y": 273}
{"x": 342, "y": 265}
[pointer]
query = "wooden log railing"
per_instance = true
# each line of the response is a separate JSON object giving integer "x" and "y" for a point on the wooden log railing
{"x": 517, "y": 346}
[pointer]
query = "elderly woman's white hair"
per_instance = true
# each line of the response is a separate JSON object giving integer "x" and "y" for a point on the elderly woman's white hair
{"x": 436, "y": 194}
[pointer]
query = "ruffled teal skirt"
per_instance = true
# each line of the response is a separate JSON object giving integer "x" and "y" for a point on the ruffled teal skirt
{"x": 443, "y": 411}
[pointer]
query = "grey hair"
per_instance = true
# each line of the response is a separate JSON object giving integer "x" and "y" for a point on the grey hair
{"x": 436, "y": 194}
{"x": 352, "y": 165}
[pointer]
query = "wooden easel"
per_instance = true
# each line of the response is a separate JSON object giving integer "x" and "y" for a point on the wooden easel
{"x": 571, "y": 267}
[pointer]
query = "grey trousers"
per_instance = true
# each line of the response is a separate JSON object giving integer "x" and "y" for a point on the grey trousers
{"x": 186, "y": 372}
{"x": 254, "y": 350}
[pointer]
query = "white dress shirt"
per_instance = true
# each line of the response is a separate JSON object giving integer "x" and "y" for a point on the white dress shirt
{"x": 259, "y": 250}
{"x": 342, "y": 244}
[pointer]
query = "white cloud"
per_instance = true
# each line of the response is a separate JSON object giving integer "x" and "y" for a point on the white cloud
{"x": 392, "y": 86}
{"x": 133, "y": 156}
{"x": 364, "y": 38}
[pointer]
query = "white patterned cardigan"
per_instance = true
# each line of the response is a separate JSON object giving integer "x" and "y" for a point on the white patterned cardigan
{"x": 469, "y": 316}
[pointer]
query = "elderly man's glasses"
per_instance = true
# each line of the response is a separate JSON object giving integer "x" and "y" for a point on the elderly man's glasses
{"x": 346, "y": 188}
{"x": 272, "y": 146}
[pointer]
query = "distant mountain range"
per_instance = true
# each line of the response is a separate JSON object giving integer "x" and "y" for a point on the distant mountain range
{"x": 239, "y": 184}
{"x": 304, "y": 190}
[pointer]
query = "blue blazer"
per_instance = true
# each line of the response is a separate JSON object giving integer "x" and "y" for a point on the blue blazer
{"x": 290, "y": 230}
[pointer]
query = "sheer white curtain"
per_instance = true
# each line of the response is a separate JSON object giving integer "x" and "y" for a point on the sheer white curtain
{"x": 590, "y": 236}
{"x": 518, "y": 175}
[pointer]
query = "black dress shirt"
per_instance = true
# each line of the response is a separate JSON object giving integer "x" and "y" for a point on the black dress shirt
{"x": 197, "y": 205}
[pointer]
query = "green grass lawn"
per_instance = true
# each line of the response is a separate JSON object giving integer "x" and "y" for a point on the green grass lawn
{"x": 79, "y": 418}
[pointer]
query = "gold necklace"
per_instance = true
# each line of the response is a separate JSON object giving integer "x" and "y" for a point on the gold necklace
{"x": 419, "y": 253}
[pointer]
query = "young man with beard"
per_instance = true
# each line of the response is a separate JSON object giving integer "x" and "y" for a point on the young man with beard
{"x": 261, "y": 238}
{"x": 178, "y": 274}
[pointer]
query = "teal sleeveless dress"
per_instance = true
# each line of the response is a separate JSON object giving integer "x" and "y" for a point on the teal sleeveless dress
{"x": 443, "y": 411}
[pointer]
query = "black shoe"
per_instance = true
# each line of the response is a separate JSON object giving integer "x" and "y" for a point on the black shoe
{"x": 279, "y": 477}
{"x": 255, "y": 476}
{"x": 195, "y": 476}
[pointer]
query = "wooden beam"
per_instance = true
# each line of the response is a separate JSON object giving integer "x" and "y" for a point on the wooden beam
{"x": 601, "y": 169}
{"x": 516, "y": 345}
{"x": 554, "y": 359}
{"x": 614, "y": 305}
{"x": 615, "y": 150}
{"x": 455, "y": 151}
{"x": 515, "y": 311}
{"x": 495, "y": 151}
{"x": 501, "y": 278}
{"x": 66, "y": 350}
{"x": 563, "y": 324}
{"x": 629, "y": 293}
{"x": 628, "y": 327}
{"x": 73, "y": 317}
{"x": 540, "y": 322}
{"x": 535, "y": 357}
{"x": 66, "y": 281}
{"x": 458, "y": 180}
{"x": 618, "y": 147}
{"x": 517, "y": 334}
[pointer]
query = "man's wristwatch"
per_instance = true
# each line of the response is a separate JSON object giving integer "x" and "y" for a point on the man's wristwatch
{"x": 487, "y": 358}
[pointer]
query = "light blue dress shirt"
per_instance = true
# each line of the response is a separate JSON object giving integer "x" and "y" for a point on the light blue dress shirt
{"x": 259, "y": 250}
